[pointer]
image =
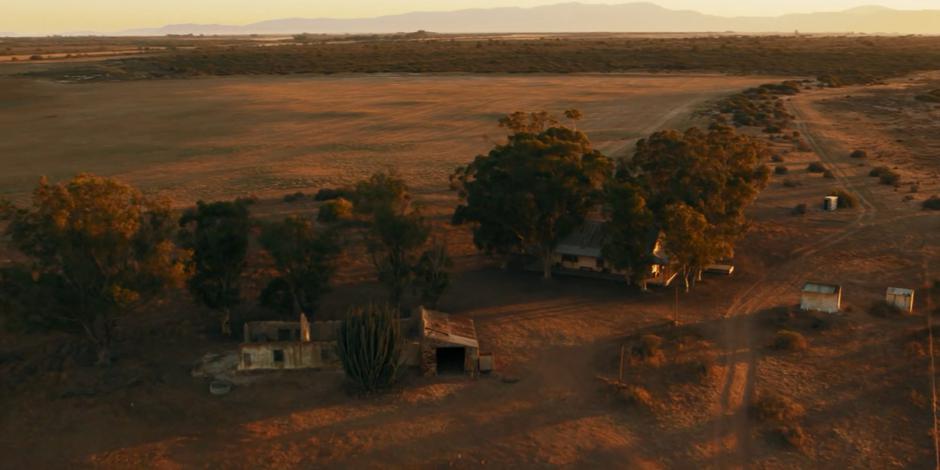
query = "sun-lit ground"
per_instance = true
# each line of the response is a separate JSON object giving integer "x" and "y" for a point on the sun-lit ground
{"x": 865, "y": 394}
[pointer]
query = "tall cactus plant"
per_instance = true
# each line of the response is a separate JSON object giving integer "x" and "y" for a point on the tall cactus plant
{"x": 369, "y": 346}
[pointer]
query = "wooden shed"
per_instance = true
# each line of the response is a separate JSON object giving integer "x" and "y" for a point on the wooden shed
{"x": 821, "y": 297}
{"x": 900, "y": 298}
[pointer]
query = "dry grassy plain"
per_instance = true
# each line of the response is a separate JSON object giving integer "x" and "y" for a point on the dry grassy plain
{"x": 864, "y": 388}
{"x": 230, "y": 137}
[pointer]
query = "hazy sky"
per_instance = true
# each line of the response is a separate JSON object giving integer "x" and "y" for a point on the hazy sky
{"x": 47, "y": 16}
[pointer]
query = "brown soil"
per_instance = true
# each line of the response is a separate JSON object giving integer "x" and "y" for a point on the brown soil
{"x": 862, "y": 392}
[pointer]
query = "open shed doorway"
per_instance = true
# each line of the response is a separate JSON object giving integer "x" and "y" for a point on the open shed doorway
{"x": 450, "y": 360}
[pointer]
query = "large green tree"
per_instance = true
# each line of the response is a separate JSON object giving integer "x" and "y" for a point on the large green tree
{"x": 716, "y": 174}
{"x": 92, "y": 250}
{"x": 527, "y": 194}
{"x": 394, "y": 241}
{"x": 305, "y": 261}
{"x": 630, "y": 230}
{"x": 217, "y": 233}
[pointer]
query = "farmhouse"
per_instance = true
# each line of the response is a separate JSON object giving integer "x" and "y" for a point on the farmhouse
{"x": 900, "y": 298}
{"x": 434, "y": 341}
{"x": 581, "y": 252}
{"x": 288, "y": 345}
{"x": 821, "y": 297}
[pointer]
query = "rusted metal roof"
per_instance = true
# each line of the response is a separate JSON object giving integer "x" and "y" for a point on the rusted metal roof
{"x": 445, "y": 328}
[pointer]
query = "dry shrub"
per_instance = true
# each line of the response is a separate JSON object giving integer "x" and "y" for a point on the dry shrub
{"x": 877, "y": 171}
{"x": 649, "y": 350}
{"x": 800, "y": 209}
{"x": 816, "y": 167}
{"x": 883, "y": 309}
{"x": 792, "y": 436}
{"x": 932, "y": 203}
{"x": 829, "y": 175}
{"x": 789, "y": 183}
{"x": 335, "y": 210}
{"x": 847, "y": 200}
{"x": 635, "y": 395}
{"x": 803, "y": 146}
{"x": 781, "y": 170}
{"x": 776, "y": 158}
{"x": 770, "y": 407}
{"x": 786, "y": 340}
{"x": 889, "y": 178}
{"x": 859, "y": 154}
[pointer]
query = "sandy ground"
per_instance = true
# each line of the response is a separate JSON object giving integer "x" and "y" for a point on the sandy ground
{"x": 229, "y": 137}
{"x": 864, "y": 394}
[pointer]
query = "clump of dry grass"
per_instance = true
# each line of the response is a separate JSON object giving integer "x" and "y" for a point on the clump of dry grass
{"x": 635, "y": 395}
{"x": 792, "y": 436}
{"x": 786, "y": 340}
{"x": 774, "y": 408}
{"x": 816, "y": 167}
{"x": 648, "y": 350}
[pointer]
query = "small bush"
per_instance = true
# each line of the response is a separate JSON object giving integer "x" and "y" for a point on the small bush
{"x": 883, "y": 309}
{"x": 800, "y": 209}
{"x": 35, "y": 57}
{"x": 828, "y": 174}
{"x": 791, "y": 183}
{"x": 816, "y": 167}
{"x": 877, "y": 171}
{"x": 889, "y": 178}
{"x": 787, "y": 340}
{"x": 637, "y": 396}
{"x": 803, "y": 146}
{"x": 335, "y": 210}
{"x": 294, "y": 197}
{"x": 846, "y": 199}
{"x": 932, "y": 204}
{"x": 859, "y": 154}
{"x": 649, "y": 349}
{"x": 776, "y": 408}
{"x": 792, "y": 436}
{"x": 781, "y": 170}
{"x": 328, "y": 194}
{"x": 776, "y": 158}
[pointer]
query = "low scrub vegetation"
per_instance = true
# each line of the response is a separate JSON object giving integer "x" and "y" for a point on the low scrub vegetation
{"x": 859, "y": 154}
{"x": 781, "y": 170}
{"x": 799, "y": 209}
{"x": 774, "y": 408}
{"x": 786, "y": 340}
{"x": 885, "y": 175}
{"x": 836, "y": 61}
{"x": 932, "y": 203}
{"x": 816, "y": 167}
{"x": 847, "y": 200}
{"x": 932, "y": 96}
{"x": 335, "y": 210}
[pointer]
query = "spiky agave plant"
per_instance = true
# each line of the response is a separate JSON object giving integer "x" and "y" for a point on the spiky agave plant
{"x": 369, "y": 346}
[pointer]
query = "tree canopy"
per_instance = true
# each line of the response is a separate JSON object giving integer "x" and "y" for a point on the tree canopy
{"x": 717, "y": 174}
{"x": 526, "y": 194}
{"x": 304, "y": 260}
{"x": 95, "y": 248}
{"x": 217, "y": 233}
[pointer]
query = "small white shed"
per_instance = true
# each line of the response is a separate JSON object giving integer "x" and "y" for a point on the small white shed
{"x": 900, "y": 298}
{"x": 831, "y": 203}
{"x": 821, "y": 297}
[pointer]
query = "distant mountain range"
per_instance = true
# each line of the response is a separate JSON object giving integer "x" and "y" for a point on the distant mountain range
{"x": 579, "y": 17}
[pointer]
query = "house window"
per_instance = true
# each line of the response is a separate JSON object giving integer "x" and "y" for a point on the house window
{"x": 246, "y": 359}
{"x": 278, "y": 356}
{"x": 569, "y": 258}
